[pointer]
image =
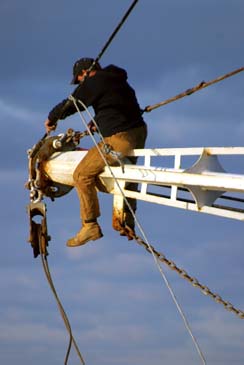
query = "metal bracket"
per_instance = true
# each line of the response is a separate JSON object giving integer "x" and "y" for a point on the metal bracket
{"x": 39, "y": 237}
{"x": 205, "y": 164}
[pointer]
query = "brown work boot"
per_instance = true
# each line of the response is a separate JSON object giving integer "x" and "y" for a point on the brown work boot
{"x": 89, "y": 232}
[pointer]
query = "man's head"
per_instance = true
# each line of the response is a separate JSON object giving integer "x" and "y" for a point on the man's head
{"x": 83, "y": 65}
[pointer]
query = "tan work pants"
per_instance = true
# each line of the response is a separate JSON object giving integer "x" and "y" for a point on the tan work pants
{"x": 93, "y": 164}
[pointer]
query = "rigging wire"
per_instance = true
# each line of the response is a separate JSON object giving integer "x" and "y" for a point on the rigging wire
{"x": 156, "y": 260}
{"x": 188, "y": 92}
{"x": 192, "y": 280}
{"x": 150, "y": 248}
{"x": 44, "y": 256}
{"x": 113, "y": 34}
{"x": 192, "y": 90}
{"x": 96, "y": 60}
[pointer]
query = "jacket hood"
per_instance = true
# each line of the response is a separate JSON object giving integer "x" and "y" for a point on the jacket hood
{"x": 119, "y": 72}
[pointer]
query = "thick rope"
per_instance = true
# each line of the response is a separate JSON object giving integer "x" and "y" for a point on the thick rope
{"x": 150, "y": 248}
{"x": 189, "y": 92}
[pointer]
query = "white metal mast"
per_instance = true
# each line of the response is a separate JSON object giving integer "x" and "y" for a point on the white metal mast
{"x": 195, "y": 188}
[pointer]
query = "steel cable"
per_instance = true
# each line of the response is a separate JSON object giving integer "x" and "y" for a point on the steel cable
{"x": 150, "y": 248}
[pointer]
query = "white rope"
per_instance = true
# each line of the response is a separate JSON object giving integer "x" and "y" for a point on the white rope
{"x": 186, "y": 323}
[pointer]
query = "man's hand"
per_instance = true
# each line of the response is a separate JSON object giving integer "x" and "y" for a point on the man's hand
{"x": 92, "y": 127}
{"x": 49, "y": 126}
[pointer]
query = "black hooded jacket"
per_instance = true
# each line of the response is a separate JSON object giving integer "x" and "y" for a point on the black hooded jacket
{"x": 112, "y": 98}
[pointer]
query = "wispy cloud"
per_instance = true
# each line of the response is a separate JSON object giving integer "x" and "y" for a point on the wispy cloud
{"x": 13, "y": 111}
{"x": 30, "y": 332}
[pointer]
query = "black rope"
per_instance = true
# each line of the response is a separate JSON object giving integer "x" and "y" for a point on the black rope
{"x": 96, "y": 60}
{"x": 114, "y": 32}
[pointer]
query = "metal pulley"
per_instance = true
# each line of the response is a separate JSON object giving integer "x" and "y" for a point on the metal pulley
{"x": 38, "y": 237}
{"x": 41, "y": 185}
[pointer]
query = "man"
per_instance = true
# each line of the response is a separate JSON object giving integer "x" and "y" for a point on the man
{"x": 118, "y": 117}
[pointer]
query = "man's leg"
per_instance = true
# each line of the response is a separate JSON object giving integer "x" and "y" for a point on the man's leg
{"x": 84, "y": 178}
{"x": 140, "y": 136}
{"x": 85, "y": 182}
{"x": 125, "y": 142}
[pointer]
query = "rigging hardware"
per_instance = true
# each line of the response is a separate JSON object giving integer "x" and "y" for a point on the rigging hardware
{"x": 183, "y": 274}
{"x": 39, "y": 238}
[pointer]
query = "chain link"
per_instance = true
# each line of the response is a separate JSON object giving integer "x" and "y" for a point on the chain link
{"x": 183, "y": 274}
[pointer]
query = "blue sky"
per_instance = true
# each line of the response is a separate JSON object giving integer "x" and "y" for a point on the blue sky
{"x": 120, "y": 310}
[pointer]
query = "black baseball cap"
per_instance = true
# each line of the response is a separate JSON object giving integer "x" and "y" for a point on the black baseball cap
{"x": 83, "y": 64}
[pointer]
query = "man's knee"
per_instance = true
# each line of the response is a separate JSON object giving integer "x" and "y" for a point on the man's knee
{"x": 83, "y": 181}
{"x": 76, "y": 175}
{"x": 79, "y": 177}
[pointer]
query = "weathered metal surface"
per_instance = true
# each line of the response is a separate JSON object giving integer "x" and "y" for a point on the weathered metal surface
{"x": 38, "y": 237}
{"x": 61, "y": 166}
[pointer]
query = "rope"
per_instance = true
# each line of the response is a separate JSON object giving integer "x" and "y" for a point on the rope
{"x": 116, "y": 156}
{"x": 67, "y": 104}
{"x": 113, "y": 34}
{"x": 189, "y": 92}
{"x": 194, "y": 282}
{"x": 60, "y": 307}
{"x": 106, "y": 148}
{"x": 150, "y": 248}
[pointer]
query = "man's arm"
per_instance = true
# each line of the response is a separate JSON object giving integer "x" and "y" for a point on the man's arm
{"x": 62, "y": 110}
{"x": 49, "y": 126}
{"x": 67, "y": 107}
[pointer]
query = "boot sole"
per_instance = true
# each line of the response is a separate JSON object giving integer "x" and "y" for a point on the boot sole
{"x": 77, "y": 244}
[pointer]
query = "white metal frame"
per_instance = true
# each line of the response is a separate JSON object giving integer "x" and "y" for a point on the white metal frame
{"x": 206, "y": 179}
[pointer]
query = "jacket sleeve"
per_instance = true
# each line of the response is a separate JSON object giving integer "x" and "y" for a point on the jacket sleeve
{"x": 84, "y": 92}
{"x": 87, "y": 92}
{"x": 62, "y": 110}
